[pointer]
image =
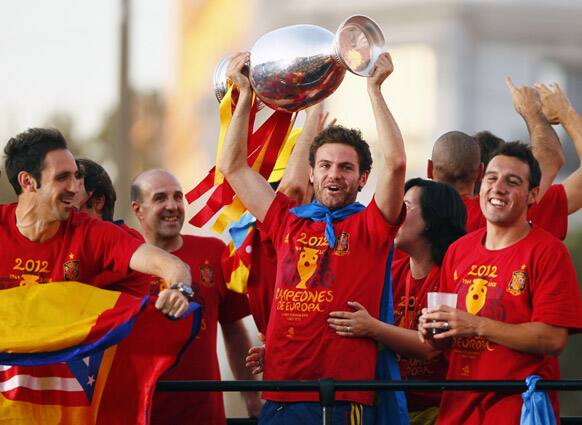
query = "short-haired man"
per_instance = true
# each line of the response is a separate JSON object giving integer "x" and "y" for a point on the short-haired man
{"x": 43, "y": 239}
{"x": 158, "y": 204}
{"x": 96, "y": 197}
{"x": 518, "y": 296}
{"x": 328, "y": 252}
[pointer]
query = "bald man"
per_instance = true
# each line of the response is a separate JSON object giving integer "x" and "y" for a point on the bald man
{"x": 456, "y": 160}
{"x": 158, "y": 204}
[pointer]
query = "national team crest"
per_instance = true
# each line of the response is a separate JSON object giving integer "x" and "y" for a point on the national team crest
{"x": 342, "y": 244}
{"x": 71, "y": 270}
{"x": 518, "y": 283}
{"x": 206, "y": 274}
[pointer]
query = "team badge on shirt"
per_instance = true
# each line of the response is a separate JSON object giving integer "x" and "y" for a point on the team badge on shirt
{"x": 518, "y": 283}
{"x": 71, "y": 268}
{"x": 342, "y": 244}
{"x": 206, "y": 274}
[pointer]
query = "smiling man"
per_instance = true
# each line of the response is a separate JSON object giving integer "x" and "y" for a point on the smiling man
{"x": 518, "y": 297}
{"x": 43, "y": 239}
{"x": 328, "y": 252}
{"x": 158, "y": 204}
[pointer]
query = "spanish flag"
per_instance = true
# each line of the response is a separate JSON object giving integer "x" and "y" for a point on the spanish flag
{"x": 76, "y": 354}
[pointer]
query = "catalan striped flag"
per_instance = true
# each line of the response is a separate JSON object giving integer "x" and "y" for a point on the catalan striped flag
{"x": 76, "y": 354}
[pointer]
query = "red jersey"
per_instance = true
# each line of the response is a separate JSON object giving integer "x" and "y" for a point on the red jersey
{"x": 475, "y": 218}
{"x": 532, "y": 280}
{"x": 134, "y": 283}
{"x": 261, "y": 282}
{"x": 200, "y": 361}
{"x": 81, "y": 248}
{"x": 313, "y": 280}
{"x": 415, "y": 297}
{"x": 551, "y": 213}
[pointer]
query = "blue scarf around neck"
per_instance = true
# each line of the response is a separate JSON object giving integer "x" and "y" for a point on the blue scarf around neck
{"x": 317, "y": 212}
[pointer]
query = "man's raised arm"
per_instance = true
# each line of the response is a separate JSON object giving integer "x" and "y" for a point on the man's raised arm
{"x": 558, "y": 109}
{"x": 390, "y": 187}
{"x": 250, "y": 187}
{"x": 545, "y": 143}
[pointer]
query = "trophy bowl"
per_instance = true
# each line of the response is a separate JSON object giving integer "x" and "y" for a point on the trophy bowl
{"x": 294, "y": 67}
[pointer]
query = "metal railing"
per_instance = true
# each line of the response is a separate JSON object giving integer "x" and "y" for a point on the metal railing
{"x": 328, "y": 387}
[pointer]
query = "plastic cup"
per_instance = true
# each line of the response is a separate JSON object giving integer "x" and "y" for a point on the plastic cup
{"x": 435, "y": 299}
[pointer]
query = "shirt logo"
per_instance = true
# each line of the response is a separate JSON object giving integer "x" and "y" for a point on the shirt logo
{"x": 476, "y": 296}
{"x": 306, "y": 265}
{"x": 518, "y": 283}
{"x": 71, "y": 268}
{"x": 342, "y": 244}
{"x": 206, "y": 274}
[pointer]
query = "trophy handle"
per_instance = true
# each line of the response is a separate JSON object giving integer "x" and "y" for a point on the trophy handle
{"x": 358, "y": 42}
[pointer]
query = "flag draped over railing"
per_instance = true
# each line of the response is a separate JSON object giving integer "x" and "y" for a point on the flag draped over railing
{"x": 76, "y": 354}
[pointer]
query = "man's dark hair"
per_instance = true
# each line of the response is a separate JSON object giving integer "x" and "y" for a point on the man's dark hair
{"x": 98, "y": 184}
{"x": 443, "y": 212}
{"x": 522, "y": 152}
{"x": 489, "y": 143}
{"x": 345, "y": 136}
{"x": 27, "y": 151}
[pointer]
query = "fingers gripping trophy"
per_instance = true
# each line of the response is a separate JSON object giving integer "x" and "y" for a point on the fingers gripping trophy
{"x": 294, "y": 67}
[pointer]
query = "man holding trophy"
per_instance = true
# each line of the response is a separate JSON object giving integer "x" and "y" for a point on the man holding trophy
{"x": 329, "y": 252}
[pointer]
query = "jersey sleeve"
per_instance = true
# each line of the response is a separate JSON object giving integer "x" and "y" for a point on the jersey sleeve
{"x": 551, "y": 213}
{"x": 111, "y": 246}
{"x": 274, "y": 223}
{"x": 379, "y": 226}
{"x": 556, "y": 296}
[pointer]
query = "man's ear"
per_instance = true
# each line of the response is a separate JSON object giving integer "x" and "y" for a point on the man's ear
{"x": 532, "y": 196}
{"x": 136, "y": 208}
{"x": 363, "y": 180}
{"x": 310, "y": 175}
{"x": 429, "y": 169}
{"x": 27, "y": 182}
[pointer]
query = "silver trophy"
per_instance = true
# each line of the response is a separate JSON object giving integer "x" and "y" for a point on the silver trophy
{"x": 294, "y": 67}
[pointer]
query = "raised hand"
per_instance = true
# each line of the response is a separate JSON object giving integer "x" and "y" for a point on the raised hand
{"x": 382, "y": 69}
{"x": 555, "y": 103}
{"x": 235, "y": 71}
{"x": 526, "y": 99}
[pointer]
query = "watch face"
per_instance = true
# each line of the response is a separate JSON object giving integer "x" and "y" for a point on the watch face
{"x": 188, "y": 291}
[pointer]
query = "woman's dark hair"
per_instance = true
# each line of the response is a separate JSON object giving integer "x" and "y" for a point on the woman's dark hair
{"x": 443, "y": 212}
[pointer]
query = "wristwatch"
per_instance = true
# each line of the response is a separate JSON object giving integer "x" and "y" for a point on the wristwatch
{"x": 184, "y": 289}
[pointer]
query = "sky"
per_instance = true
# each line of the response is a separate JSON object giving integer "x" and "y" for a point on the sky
{"x": 62, "y": 55}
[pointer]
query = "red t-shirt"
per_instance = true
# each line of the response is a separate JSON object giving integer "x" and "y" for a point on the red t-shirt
{"x": 551, "y": 213}
{"x": 200, "y": 361}
{"x": 133, "y": 283}
{"x": 261, "y": 282}
{"x": 532, "y": 280}
{"x": 81, "y": 248}
{"x": 312, "y": 281}
{"x": 434, "y": 369}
